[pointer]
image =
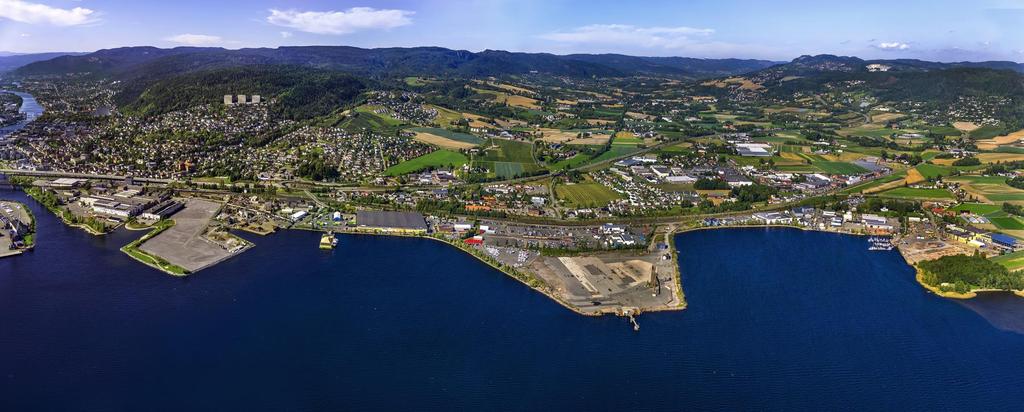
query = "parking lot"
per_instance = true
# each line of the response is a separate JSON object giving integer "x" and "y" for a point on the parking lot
{"x": 184, "y": 244}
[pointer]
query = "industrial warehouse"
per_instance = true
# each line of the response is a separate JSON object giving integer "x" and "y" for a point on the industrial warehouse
{"x": 391, "y": 222}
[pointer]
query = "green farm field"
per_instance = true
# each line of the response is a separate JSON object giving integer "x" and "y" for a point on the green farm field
{"x": 976, "y": 208}
{"x": 917, "y": 193}
{"x": 589, "y": 194}
{"x": 991, "y": 188}
{"x": 439, "y": 158}
{"x": 1012, "y": 261}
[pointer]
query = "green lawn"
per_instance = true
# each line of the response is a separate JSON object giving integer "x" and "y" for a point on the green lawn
{"x": 987, "y": 132}
{"x": 589, "y": 194}
{"x": 571, "y": 162}
{"x": 504, "y": 150}
{"x": 614, "y": 152}
{"x": 1006, "y": 197}
{"x": 977, "y": 208}
{"x": 945, "y": 130}
{"x": 841, "y": 168}
{"x": 932, "y": 171}
{"x": 1012, "y": 261}
{"x": 439, "y": 158}
{"x": 507, "y": 158}
{"x": 507, "y": 170}
{"x": 627, "y": 141}
{"x": 798, "y": 168}
{"x": 415, "y": 81}
{"x": 1009, "y": 149}
{"x": 386, "y": 119}
{"x": 991, "y": 180}
{"x": 916, "y": 193}
{"x": 992, "y": 187}
{"x": 1007, "y": 223}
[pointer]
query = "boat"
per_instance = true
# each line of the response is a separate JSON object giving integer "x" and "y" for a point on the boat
{"x": 328, "y": 241}
{"x": 880, "y": 243}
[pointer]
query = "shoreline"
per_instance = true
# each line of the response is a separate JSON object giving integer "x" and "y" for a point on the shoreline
{"x": 971, "y": 294}
{"x": 515, "y": 275}
{"x": 505, "y": 271}
{"x": 60, "y": 216}
{"x": 33, "y": 233}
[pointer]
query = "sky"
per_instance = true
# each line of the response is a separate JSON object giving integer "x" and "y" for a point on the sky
{"x": 939, "y": 30}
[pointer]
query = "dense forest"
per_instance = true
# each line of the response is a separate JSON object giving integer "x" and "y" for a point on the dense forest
{"x": 963, "y": 273}
{"x": 296, "y": 93}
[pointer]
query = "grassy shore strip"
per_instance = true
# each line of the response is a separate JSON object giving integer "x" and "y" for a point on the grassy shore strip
{"x": 133, "y": 225}
{"x": 156, "y": 262}
{"x": 36, "y": 194}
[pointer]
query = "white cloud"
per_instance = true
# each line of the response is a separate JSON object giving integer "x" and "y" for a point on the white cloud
{"x": 893, "y": 46}
{"x": 35, "y": 13}
{"x": 340, "y": 22}
{"x": 286, "y": 34}
{"x": 195, "y": 39}
{"x": 629, "y": 35}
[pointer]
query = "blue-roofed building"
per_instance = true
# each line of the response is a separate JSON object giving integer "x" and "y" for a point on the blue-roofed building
{"x": 1006, "y": 241}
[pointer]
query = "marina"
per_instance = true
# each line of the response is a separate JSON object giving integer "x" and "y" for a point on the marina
{"x": 880, "y": 243}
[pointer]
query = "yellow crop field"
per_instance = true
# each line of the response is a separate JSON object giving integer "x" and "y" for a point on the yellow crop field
{"x": 1000, "y": 157}
{"x": 886, "y": 117}
{"x": 522, "y": 101}
{"x": 914, "y": 176}
{"x": 511, "y": 88}
{"x": 993, "y": 143}
{"x": 965, "y": 126}
{"x": 744, "y": 83}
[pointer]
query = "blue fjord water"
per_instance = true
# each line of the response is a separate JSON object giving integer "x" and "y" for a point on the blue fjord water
{"x": 778, "y": 320}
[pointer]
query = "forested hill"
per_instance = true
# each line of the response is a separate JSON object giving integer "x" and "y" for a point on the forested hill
{"x": 939, "y": 85}
{"x": 15, "y": 61}
{"x": 297, "y": 92}
{"x": 131, "y": 62}
{"x": 805, "y": 65}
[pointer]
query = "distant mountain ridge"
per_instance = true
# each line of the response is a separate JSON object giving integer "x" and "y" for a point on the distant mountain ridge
{"x": 132, "y": 62}
{"x": 10, "y": 61}
{"x": 828, "y": 62}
